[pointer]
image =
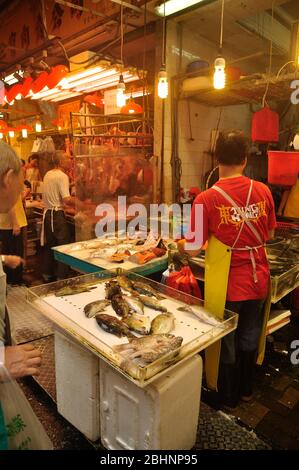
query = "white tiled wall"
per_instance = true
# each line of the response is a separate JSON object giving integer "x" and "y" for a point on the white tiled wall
{"x": 195, "y": 161}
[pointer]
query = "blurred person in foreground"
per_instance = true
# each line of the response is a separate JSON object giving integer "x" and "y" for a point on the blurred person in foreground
{"x": 21, "y": 360}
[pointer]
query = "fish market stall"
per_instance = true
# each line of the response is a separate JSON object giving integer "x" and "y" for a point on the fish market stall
{"x": 144, "y": 257}
{"x": 126, "y": 354}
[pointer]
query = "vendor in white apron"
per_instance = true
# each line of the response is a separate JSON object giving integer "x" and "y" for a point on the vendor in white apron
{"x": 238, "y": 219}
{"x": 55, "y": 229}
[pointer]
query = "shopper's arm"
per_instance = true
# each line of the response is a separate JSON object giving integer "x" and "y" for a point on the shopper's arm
{"x": 12, "y": 261}
{"x": 16, "y": 229}
{"x": 21, "y": 361}
{"x": 283, "y": 202}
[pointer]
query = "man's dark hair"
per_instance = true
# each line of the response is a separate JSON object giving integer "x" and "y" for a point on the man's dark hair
{"x": 231, "y": 148}
{"x": 33, "y": 156}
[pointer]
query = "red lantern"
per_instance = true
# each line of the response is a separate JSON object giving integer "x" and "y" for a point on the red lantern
{"x": 57, "y": 74}
{"x": 26, "y": 86}
{"x": 10, "y": 95}
{"x": 17, "y": 91}
{"x": 40, "y": 83}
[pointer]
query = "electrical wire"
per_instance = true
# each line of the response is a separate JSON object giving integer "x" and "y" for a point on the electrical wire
{"x": 285, "y": 65}
{"x": 164, "y": 39}
{"x": 121, "y": 32}
{"x": 270, "y": 56}
{"x": 222, "y": 26}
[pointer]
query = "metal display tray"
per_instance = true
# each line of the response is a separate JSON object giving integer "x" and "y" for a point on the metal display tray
{"x": 68, "y": 316}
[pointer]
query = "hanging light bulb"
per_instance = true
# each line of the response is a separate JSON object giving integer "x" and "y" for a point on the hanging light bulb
{"x": 162, "y": 84}
{"x": 120, "y": 96}
{"x": 219, "y": 74}
{"x": 1, "y": 135}
{"x": 38, "y": 126}
{"x": 11, "y": 133}
{"x": 24, "y": 133}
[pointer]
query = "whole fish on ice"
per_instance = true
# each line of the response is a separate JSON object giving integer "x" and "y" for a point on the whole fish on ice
{"x": 114, "y": 326}
{"x": 202, "y": 316}
{"x": 162, "y": 324}
{"x": 148, "y": 348}
{"x": 138, "y": 323}
{"x": 151, "y": 303}
{"x": 93, "y": 308}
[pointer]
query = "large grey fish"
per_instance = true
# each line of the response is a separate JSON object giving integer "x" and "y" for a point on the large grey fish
{"x": 114, "y": 326}
{"x": 72, "y": 290}
{"x": 151, "y": 303}
{"x": 95, "y": 307}
{"x": 135, "y": 304}
{"x": 202, "y": 316}
{"x": 148, "y": 348}
{"x": 138, "y": 323}
{"x": 112, "y": 288}
{"x": 146, "y": 289}
{"x": 162, "y": 323}
{"x": 120, "y": 306}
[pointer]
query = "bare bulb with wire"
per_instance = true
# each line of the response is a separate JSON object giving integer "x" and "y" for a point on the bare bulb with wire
{"x": 162, "y": 84}
{"x": 120, "y": 95}
{"x": 219, "y": 74}
{"x": 38, "y": 126}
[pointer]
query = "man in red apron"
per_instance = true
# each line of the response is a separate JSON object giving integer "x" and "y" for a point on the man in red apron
{"x": 239, "y": 213}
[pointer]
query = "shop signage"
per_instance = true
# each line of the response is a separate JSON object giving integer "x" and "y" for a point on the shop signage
{"x": 23, "y": 28}
{"x": 110, "y": 105}
{"x": 295, "y": 94}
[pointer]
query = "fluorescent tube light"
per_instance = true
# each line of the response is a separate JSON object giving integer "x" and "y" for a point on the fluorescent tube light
{"x": 173, "y": 6}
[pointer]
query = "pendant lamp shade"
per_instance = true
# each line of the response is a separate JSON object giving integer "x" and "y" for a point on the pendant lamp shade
{"x": 132, "y": 108}
{"x": 94, "y": 100}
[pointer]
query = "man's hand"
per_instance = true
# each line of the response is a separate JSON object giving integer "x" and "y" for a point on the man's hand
{"x": 16, "y": 230}
{"x": 12, "y": 261}
{"x": 22, "y": 360}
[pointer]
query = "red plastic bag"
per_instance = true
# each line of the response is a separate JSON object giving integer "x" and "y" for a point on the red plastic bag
{"x": 265, "y": 126}
{"x": 184, "y": 281}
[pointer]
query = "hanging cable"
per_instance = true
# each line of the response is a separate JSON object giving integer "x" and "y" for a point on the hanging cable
{"x": 121, "y": 32}
{"x": 270, "y": 56}
{"x": 162, "y": 77}
{"x": 221, "y": 28}
{"x": 219, "y": 74}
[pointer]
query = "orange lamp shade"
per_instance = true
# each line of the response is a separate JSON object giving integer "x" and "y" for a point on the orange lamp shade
{"x": 94, "y": 100}
{"x": 40, "y": 83}
{"x": 3, "y": 126}
{"x": 132, "y": 108}
{"x": 58, "y": 73}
